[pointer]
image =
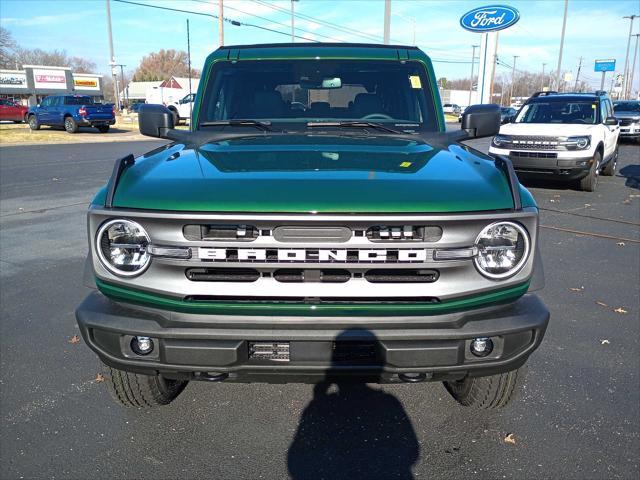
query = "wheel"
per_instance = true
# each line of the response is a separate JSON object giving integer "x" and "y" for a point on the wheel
{"x": 494, "y": 391}
{"x": 141, "y": 391}
{"x": 589, "y": 183}
{"x": 33, "y": 123}
{"x": 103, "y": 128}
{"x": 70, "y": 125}
{"x": 609, "y": 169}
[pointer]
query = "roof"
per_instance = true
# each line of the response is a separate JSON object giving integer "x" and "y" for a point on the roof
{"x": 567, "y": 96}
{"x": 139, "y": 89}
{"x": 300, "y": 51}
{"x": 316, "y": 45}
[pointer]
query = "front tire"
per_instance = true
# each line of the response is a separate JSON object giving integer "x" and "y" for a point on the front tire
{"x": 141, "y": 391}
{"x": 70, "y": 125}
{"x": 33, "y": 123}
{"x": 590, "y": 182}
{"x": 609, "y": 169}
{"x": 487, "y": 393}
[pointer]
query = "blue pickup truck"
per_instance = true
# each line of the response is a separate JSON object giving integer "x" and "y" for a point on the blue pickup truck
{"x": 71, "y": 112}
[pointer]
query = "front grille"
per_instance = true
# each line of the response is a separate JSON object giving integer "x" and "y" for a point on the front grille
{"x": 408, "y": 233}
{"x": 531, "y": 143}
{"x": 241, "y": 233}
{"x": 533, "y": 155}
{"x": 310, "y": 300}
{"x": 625, "y": 122}
{"x": 304, "y": 234}
{"x": 298, "y": 275}
{"x": 401, "y": 275}
{"x": 222, "y": 274}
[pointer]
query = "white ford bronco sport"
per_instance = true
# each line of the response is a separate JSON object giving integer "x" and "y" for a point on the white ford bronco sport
{"x": 562, "y": 136}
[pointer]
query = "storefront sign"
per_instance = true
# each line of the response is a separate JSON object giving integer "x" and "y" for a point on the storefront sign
{"x": 49, "y": 79}
{"x": 13, "y": 80}
{"x": 85, "y": 83}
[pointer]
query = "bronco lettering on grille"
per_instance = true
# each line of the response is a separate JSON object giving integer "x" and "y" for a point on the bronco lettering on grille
{"x": 308, "y": 255}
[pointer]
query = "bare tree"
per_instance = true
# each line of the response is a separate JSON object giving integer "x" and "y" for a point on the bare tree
{"x": 7, "y": 49}
{"x": 162, "y": 65}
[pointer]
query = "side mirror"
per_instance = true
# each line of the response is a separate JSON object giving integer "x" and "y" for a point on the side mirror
{"x": 611, "y": 121}
{"x": 155, "y": 120}
{"x": 481, "y": 120}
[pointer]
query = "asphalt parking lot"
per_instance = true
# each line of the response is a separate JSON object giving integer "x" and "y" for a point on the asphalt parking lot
{"x": 578, "y": 417}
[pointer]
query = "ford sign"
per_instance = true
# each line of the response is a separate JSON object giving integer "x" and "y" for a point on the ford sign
{"x": 489, "y": 19}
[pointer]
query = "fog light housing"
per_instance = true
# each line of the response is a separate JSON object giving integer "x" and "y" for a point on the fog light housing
{"x": 142, "y": 345}
{"x": 481, "y": 346}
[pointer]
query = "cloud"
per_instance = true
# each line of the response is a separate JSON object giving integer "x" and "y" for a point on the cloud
{"x": 43, "y": 20}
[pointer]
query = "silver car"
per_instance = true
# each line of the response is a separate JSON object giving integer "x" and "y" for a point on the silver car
{"x": 628, "y": 114}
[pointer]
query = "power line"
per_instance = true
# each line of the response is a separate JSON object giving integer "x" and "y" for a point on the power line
{"x": 349, "y": 30}
{"x": 233, "y": 22}
{"x": 229, "y": 7}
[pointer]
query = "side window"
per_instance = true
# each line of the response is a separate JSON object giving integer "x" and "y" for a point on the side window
{"x": 609, "y": 108}
{"x": 603, "y": 110}
{"x": 46, "y": 102}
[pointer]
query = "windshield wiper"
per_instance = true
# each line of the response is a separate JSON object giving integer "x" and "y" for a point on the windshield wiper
{"x": 355, "y": 124}
{"x": 264, "y": 126}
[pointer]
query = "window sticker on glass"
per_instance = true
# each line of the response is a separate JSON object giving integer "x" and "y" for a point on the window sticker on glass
{"x": 406, "y": 164}
{"x": 415, "y": 81}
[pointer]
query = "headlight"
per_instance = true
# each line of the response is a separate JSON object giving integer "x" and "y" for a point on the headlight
{"x": 577, "y": 143}
{"x": 499, "y": 140}
{"x": 122, "y": 247}
{"x": 503, "y": 248}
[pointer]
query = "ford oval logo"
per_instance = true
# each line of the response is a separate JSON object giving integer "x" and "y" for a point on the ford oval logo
{"x": 489, "y": 19}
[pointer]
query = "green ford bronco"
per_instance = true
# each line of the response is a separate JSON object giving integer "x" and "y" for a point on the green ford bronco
{"x": 315, "y": 223}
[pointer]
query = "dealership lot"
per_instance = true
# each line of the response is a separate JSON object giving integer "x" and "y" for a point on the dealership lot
{"x": 578, "y": 418}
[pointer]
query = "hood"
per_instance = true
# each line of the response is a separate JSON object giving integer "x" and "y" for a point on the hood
{"x": 546, "y": 129}
{"x": 623, "y": 114}
{"x": 315, "y": 173}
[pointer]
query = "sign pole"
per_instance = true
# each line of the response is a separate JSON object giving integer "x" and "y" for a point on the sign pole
{"x": 602, "y": 81}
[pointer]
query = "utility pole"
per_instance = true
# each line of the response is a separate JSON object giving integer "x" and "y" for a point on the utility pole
{"x": 495, "y": 63}
{"x": 542, "y": 82}
{"x": 293, "y": 29}
{"x": 513, "y": 78}
{"x": 625, "y": 73}
{"x": 221, "y": 22}
{"x": 575, "y": 88}
{"x": 114, "y": 77}
{"x": 473, "y": 64}
{"x": 124, "y": 89}
{"x": 387, "y": 21}
{"x": 189, "y": 71}
{"x": 633, "y": 68}
{"x": 564, "y": 28}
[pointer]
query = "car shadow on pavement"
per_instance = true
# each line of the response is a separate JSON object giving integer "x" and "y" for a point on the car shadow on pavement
{"x": 350, "y": 430}
{"x": 632, "y": 175}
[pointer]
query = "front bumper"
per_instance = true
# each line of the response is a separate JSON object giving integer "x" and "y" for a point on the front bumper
{"x": 550, "y": 165}
{"x": 630, "y": 131}
{"x": 379, "y": 349}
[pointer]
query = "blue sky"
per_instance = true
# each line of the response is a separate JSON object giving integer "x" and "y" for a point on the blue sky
{"x": 595, "y": 29}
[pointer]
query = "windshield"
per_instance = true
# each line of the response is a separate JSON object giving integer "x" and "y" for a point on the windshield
{"x": 626, "y": 107}
{"x": 302, "y": 91}
{"x": 585, "y": 112}
{"x": 78, "y": 101}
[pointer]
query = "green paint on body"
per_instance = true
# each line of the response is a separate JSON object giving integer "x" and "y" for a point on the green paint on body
{"x": 302, "y": 173}
{"x": 164, "y": 302}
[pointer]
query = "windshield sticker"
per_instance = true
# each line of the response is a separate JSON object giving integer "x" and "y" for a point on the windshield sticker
{"x": 415, "y": 81}
{"x": 406, "y": 164}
